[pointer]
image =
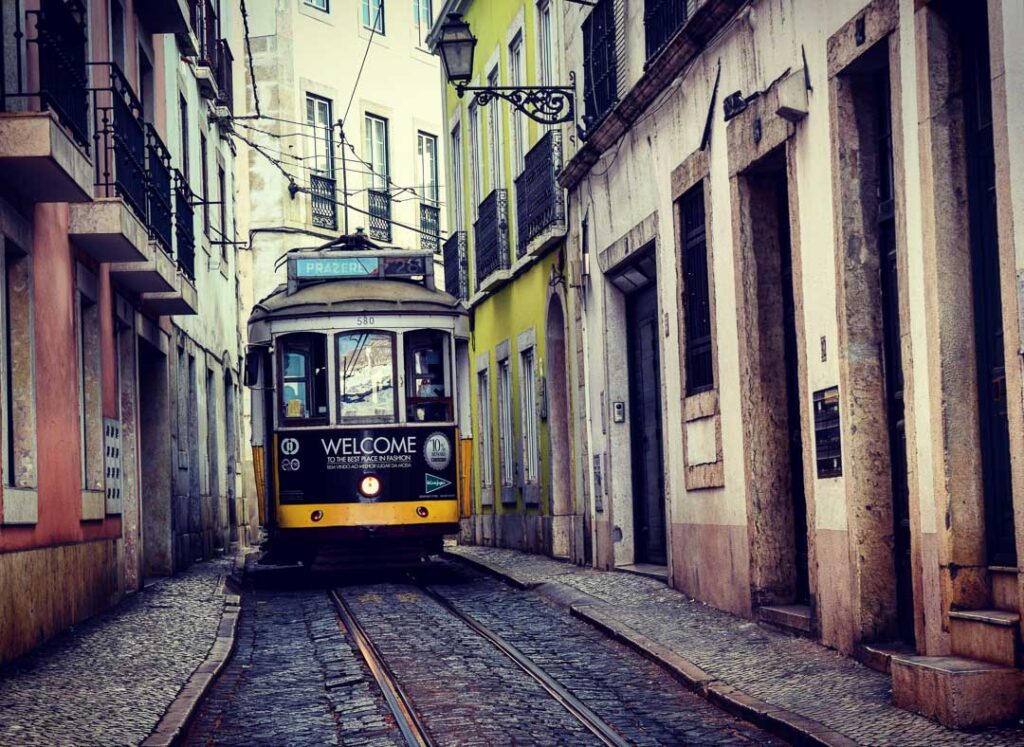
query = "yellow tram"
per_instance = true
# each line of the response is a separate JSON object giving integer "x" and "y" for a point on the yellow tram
{"x": 357, "y": 368}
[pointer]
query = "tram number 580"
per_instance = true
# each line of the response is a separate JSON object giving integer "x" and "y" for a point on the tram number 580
{"x": 365, "y": 321}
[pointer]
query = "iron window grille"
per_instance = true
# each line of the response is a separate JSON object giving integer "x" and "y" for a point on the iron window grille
{"x": 224, "y": 71}
{"x": 490, "y": 236}
{"x": 323, "y": 202}
{"x": 700, "y": 375}
{"x": 184, "y": 223}
{"x": 158, "y": 190}
{"x": 430, "y": 225}
{"x": 600, "y": 62}
{"x": 61, "y": 42}
{"x": 380, "y": 214}
{"x": 827, "y": 435}
{"x": 662, "y": 19}
{"x": 120, "y": 136}
{"x": 456, "y": 266}
{"x": 539, "y": 201}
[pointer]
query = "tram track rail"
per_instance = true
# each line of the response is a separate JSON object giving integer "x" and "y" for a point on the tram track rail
{"x": 406, "y": 718}
{"x": 401, "y": 705}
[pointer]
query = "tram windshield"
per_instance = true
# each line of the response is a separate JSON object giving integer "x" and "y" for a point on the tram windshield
{"x": 366, "y": 377}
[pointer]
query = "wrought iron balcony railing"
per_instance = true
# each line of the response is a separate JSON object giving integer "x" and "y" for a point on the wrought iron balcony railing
{"x": 490, "y": 236}
{"x": 456, "y": 265}
{"x": 63, "y": 72}
{"x": 184, "y": 225}
{"x": 662, "y": 19}
{"x": 159, "y": 190}
{"x": 120, "y": 136}
{"x": 430, "y": 225}
{"x": 225, "y": 61}
{"x": 323, "y": 200}
{"x": 539, "y": 202}
{"x": 380, "y": 215}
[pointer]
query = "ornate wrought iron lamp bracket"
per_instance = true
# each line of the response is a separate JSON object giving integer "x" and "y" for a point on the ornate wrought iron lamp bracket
{"x": 548, "y": 105}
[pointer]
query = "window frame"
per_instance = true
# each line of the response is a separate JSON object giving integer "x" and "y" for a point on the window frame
{"x": 496, "y": 146}
{"x": 376, "y": 178}
{"x": 367, "y": 22}
{"x": 455, "y": 191}
{"x": 280, "y": 342}
{"x": 90, "y": 399}
{"x": 434, "y": 198}
{"x": 418, "y": 7}
{"x": 528, "y": 412}
{"x": 398, "y": 398}
{"x": 506, "y": 424}
{"x": 328, "y": 142}
{"x": 545, "y": 43}
{"x": 324, "y": 6}
{"x": 696, "y": 290}
{"x": 485, "y": 422}
{"x": 518, "y": 125}
{"x": 476, "y": 155}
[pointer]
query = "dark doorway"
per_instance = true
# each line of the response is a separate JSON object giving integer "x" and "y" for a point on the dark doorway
{"x": 988, "y": 307}
{"x": 645, "y": 425}
{"x": 892, "y": 356}
{"x": 155, "y": 461}
{"x": 231, "y": 453}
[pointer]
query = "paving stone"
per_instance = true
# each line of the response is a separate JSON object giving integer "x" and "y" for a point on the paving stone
{"x": 794, "y": 673}
{"x": 108, "y": 681}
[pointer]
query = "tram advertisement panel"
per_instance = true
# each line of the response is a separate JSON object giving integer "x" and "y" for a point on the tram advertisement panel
{"x": 330, "y": 466}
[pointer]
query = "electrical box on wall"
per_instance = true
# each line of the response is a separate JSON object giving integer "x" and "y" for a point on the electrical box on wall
{"x": 827, "y": 433}
{"x": 619, "y": 412}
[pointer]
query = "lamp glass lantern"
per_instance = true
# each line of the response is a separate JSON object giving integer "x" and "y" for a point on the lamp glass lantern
{"x": 457, "y": 45}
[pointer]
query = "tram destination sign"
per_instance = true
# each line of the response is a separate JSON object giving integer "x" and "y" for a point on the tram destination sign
{"x": 341, "y": 268}
{"x": 328, "y": 466}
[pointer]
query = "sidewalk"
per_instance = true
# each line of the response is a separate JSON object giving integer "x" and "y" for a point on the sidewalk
{"x": 109, "y": 680}
{"x": 793, "y": 684}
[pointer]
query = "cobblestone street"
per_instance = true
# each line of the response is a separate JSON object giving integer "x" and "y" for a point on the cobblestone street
{"x": 110, "y": 680}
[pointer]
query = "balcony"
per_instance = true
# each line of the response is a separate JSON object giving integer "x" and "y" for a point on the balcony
{"x": 456, "y": 266}
{"x": 181, "y": 297}
{"x": 380, "y": 215}
{"x": 323, "y": 202}
{"x": 540, "y": 207}
{"x": 158, "y": 190}
{"x": 184, "y": 227}
{"x": 430, "y": 225}
{"x": 164, "y": 16}
{"x": 662, "y": 19}
{"x": 63, "y": 72}
{"x": 120, "y": 135}
{"x": 225, "y": 69}
{"x": 490, "y": 241}
{"x": 206, "y": 71}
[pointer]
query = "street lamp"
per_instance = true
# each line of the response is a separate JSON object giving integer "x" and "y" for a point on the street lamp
{"x": 545, "y": 104}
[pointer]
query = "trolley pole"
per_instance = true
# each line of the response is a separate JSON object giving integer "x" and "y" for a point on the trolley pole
{"x": 344, "y": 171}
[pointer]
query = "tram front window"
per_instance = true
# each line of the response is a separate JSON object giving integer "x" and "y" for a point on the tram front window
{"x": 303, "y": 366}
{"x": 427, "y": 399}
{"x": 366, "y": 377}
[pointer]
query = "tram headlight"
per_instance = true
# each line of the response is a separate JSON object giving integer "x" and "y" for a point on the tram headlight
{"x": 369, "y": 486}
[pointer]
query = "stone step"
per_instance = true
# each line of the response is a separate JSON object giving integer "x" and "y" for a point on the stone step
{"x": 878, "y": 656}
{"x": 1005, "y": 592}
{"x": 794, "y": 618}
{"x": 987, "y": 635}
{"x": 955, "y": 691}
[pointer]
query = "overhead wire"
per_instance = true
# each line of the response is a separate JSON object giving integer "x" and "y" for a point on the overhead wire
{"x": 248, "y": 54}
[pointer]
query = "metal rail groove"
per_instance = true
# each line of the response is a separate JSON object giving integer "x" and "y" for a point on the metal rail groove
{"x": 583, "y": 713}
{"x": 401, "y": 707}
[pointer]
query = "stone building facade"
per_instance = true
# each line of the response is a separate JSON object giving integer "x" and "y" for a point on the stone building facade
{"x": 797, "y": 282}
{"x": 120, "y": 339}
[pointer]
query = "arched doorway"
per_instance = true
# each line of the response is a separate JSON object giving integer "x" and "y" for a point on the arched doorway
{"x": 561, "y": 504}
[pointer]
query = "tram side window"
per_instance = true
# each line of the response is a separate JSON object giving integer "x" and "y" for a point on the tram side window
{"x": 427, "y": 399}
{"x": 366, "y": 377}
{"x": 303, "y": 367}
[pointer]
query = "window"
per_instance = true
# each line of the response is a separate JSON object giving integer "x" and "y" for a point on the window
{"x": 455, "y": 178}
{"x": 600, "y": 62}
{"x": 528, "y": 400}
{"x": 476, "y": 155}
{"x": 505, "y": 435}
{"x": 426, "y": 362}
{"x": 494, "y": 127}
{"x": 90, "y": 402}
{"x": 484, "y": 416}
{"x": 19, "y": 428}
{"x": 303, "y": 367}
{"x": 183, "y": 114}
{"x": 696, "y": 297}
{"x": 376, "y": 151}
{"x": 518, "y": 76}
{"x": 146, "y": 85}
{"x": 222, "y": 195}
{"x": 366, "y": 377}
{"x": 373, "y": 15}
{"x": 204, "y": 181}
{"x": 426, "y": 149}
{"x": 423, "y": 17}
{"x": 545, "y": 32}
{"x": 319, "y": 5}
{"x": 117, "y": 36}
{"x": 318, "y": 116}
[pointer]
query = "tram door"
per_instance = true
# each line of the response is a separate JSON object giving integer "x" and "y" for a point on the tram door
{"x": 645, "y": 419}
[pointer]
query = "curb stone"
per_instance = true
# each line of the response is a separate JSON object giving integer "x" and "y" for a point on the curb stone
{"x": 173, "y": 724}
{"x": 784, "y": 723}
